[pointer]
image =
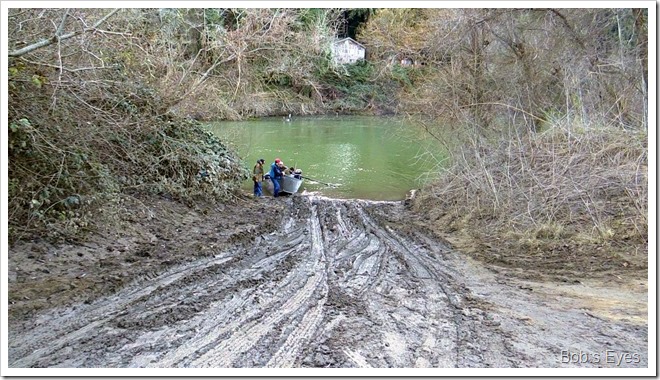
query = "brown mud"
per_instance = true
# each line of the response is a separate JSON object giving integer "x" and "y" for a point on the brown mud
{"x": 304, "y": 281}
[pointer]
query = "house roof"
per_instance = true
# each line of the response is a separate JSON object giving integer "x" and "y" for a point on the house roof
{"x": 350, "y": 39}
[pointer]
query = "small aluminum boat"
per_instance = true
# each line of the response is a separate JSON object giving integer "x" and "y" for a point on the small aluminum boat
{"x": 288, "y": 184}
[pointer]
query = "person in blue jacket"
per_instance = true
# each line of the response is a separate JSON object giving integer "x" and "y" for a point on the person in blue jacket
{"x": 276, "y": 171}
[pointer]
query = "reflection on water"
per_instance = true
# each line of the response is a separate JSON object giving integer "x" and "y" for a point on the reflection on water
{"x": 344, "y": 164}
{"x": 367, "y": 157}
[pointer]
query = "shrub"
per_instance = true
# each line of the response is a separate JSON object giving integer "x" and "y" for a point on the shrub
{"x": 566, "y": 181}
{"x": 100, "y": 142}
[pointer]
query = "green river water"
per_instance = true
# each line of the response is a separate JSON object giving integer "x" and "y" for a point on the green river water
{"x": 362, "y": 157}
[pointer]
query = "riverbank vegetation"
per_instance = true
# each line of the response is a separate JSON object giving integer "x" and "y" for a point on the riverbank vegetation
{"x": 549, "y": 107}
{"x": 544, "y": 112}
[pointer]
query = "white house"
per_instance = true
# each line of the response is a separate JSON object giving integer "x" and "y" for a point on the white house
{"x": 347, "y": 50}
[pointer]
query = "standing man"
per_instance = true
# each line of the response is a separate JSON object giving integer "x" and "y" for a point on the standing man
{"x": 276, "y": 175}
{"x": 258, "y": 177}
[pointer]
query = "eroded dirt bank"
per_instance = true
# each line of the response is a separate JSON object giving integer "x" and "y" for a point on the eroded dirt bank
{"x": 309, "y": 282}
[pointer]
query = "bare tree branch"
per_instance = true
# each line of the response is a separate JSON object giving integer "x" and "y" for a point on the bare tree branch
{"x": 568, "y": 26}
{"x": 57, "y": 37}
{"x": 61, "y": 27}
{"x": 66, "y": 69}
{"x": 505, "y": 105}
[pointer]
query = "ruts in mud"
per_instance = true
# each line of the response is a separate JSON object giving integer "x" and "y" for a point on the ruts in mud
{"x": 342, "y": 283}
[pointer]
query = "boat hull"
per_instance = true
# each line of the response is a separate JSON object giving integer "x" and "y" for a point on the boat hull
{"x": 288, "y": 184}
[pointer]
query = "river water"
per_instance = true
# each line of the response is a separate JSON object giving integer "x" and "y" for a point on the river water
{"x": 361, "y": 157}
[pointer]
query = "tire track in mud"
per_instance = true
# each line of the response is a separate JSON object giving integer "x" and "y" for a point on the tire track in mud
{"x": 62, "y": 327}
{"x": 343, "y": 283}
{"x": 334, "y": 288}
{"x": 414, "y": 334}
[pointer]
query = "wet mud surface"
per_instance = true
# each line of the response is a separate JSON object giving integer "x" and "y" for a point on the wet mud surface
{"x": 328, "y": 283}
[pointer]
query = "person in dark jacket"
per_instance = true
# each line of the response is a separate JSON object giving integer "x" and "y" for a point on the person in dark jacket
{"x": 276, "y": 171}
{"x": 258, "y": 177}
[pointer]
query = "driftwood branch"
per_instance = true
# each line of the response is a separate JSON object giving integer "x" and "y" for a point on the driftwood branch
{"x": 57, "y": 37}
